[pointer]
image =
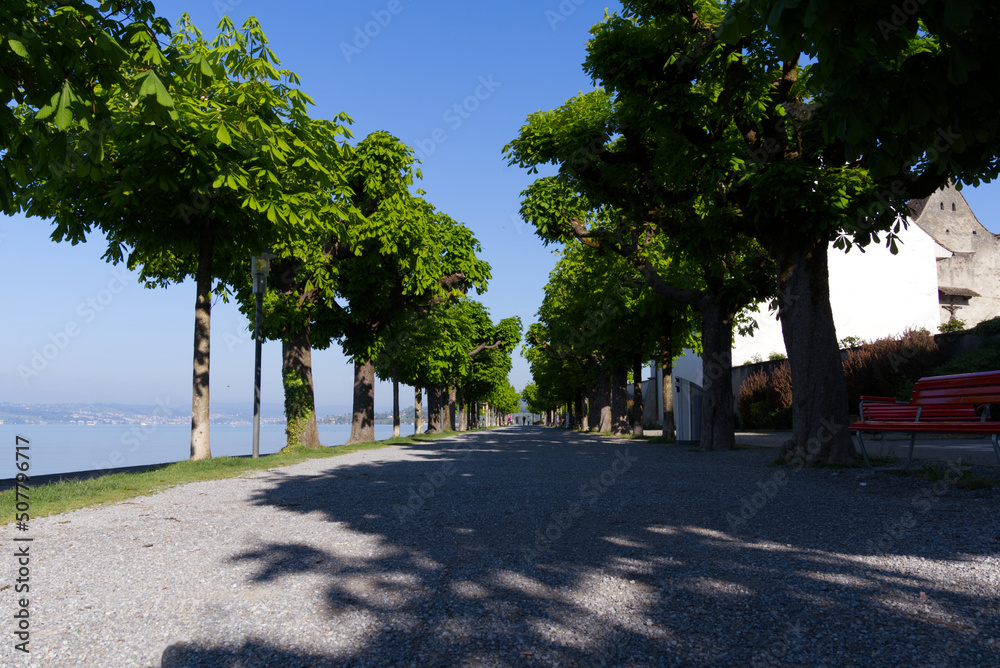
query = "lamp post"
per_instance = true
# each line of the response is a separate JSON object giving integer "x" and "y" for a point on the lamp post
{"x": 260, "y": 267}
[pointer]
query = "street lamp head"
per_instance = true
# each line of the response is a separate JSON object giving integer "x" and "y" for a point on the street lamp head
{"x": 260, "y": 267}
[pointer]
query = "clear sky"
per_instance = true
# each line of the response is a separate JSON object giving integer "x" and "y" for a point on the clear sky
{"x": 395, "y": 65}
{"x": 453, "y": 80}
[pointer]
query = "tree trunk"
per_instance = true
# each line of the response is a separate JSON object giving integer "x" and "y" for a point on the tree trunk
{"x": 418, "y": 411}
{"x": 718, "y": 431}
{"x": 667, "y": 390}
{"x": 581, "y": 414}
{"x": 604, "y": 397}
{"x": 300, "y": 401}
{"x": 452, "y": 408}
{"x": 619, "y": 400}
{"x": 593, "y": 408}
{"x": 463, "y": 421}
{"x": 363, "y": 418}
{"x": 819, "y": 391}
{"x": 395, "y": 402}
{"x": 637, "y": 401}
{"x": 200, "y": 443}
{"x": 434, "y": 401}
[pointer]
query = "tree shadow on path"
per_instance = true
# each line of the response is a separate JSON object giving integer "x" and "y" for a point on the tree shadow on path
{"x": 535, "y": 546}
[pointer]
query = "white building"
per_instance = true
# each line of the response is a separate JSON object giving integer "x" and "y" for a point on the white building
{"x": 948, "y": 264}
{"x": 947, "y": 261}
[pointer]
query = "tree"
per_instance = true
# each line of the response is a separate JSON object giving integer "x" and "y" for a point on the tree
{"x": 728, "y": 125}
{"x": 533, "y": 400}
{"x": 59, "y": 59}
{"x": 875, "y": 62}
{"x": 484, "y": 377}
{"x": 611, "y": 191}
{"x": 384, "y": 255}
{"x": 453, "y": 345}
{"x": 598, "y": 309}
{"x": 244, "y": 168}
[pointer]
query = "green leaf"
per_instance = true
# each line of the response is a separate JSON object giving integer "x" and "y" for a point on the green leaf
{"x": 957, "y": 15}
{"x": 222, "y": 134}
{"x": 152, "y": 86}
{"x": 17, "y": 47}
{"x": 729, "y": 32}
{"x": 59, "y": 105}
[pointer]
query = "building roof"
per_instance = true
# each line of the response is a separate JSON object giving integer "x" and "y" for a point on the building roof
{"x": 947, "y": 217}
{"x": 917, "y": 207}
{"x": 957, "y": 292}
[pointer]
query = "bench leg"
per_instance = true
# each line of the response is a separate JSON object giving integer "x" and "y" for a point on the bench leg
{"x": 996, "y": 447}
{"x": 909, "y": 457}
{"x": 861, "y": 447}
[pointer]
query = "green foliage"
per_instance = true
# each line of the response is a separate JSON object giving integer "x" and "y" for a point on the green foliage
{"x": 874, "y": 63}
{"x": 384, "y": 254}
{"x": 777, "y": 357}
{"x": 299, "y": 407}
{"x": 765, "y": 399}
{"x": 986, "y": 358}
{"x": 989, "y": 327}
{"x": 597, "y": 311}
{"x": 455, "y": 344}
{"x": 887, "y": 367}
{"x": 953, "y": 325}
{"x": 851, "y": 342}
{"x": 244, "y": 165}
{"x": 531, "y": 397}
{"x": 60, "y": 60}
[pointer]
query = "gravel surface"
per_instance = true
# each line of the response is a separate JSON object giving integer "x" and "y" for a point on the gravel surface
{"x": 522, "y": 546}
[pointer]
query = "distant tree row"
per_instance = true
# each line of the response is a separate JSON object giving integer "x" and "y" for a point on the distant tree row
{"x": 191, "y": 155}
{"x": 598, "y": 323}
{"x": 722, "y": 168}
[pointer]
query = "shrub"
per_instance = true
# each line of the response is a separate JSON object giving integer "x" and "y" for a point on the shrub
{"x": 765, "y": 399}
{"x": 850, "y": 342}
{"x": 953, "y": 325}
{"x": 986, "y": 358}
{"x": 886, "y": 366}
{"x": 987, "y": 327}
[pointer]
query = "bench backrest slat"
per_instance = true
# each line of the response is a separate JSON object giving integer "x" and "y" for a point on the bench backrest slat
{"x": 970, "y": 388}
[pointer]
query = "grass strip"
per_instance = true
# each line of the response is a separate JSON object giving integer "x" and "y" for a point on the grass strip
{"x": 66, "y": 495}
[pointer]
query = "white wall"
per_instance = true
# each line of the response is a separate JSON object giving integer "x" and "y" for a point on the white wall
{"x": 874, "y": 294}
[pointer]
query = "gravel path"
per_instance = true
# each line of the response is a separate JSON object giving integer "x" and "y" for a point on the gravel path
{"x": 522, "y": 547}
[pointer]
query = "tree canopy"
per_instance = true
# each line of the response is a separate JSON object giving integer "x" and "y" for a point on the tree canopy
{"x": 243, "y": 168}
{"x": 60, "y": 60}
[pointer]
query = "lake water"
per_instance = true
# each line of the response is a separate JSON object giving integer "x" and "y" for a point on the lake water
{"x": 67, "y": 448}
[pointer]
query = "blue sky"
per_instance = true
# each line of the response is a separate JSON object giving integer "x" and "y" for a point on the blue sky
{"x": 89, "y": 333}
{"x": 402, "y": 66}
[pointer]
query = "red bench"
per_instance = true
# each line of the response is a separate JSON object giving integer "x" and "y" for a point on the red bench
{"x": 956, "y": 404}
